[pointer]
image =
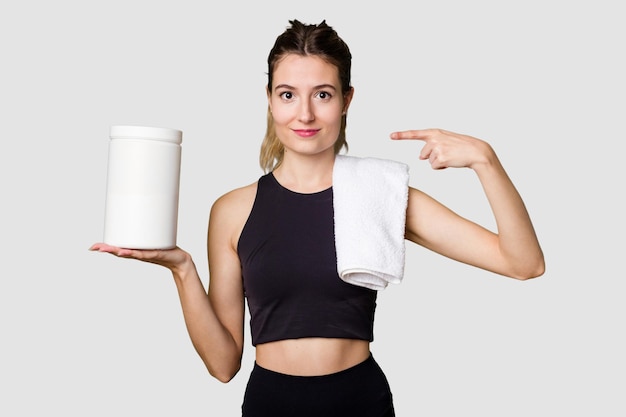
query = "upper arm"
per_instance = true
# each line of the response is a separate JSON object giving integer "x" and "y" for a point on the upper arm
{"x": 436, "y": 227}
{"x": 228, "y": 215}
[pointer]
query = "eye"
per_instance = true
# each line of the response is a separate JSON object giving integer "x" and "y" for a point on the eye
{"x": 324, "y": 95}
{"x": 286, "y": 95}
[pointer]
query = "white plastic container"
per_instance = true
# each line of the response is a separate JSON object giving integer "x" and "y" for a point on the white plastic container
{"x": 143, "y": 180}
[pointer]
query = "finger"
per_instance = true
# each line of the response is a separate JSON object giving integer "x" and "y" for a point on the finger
{"x": 113, "y": 250}
{"x": 101, "y": 247}
{"x": 419, "y": 134}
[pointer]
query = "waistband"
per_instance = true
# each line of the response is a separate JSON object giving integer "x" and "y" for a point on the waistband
{"x": 366, "y": 364}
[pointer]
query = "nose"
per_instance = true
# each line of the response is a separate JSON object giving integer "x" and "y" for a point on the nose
{"x": 305, "y": 112}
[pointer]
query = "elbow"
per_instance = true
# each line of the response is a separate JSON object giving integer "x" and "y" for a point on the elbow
{"x": 225, "y": 374}
{"x": 224, "y": 378}
{"x": 531, "y": 270}
{"x": 529, "y": 276}
{"x": 222, "y": 366}
{"x": 224, "y": 369}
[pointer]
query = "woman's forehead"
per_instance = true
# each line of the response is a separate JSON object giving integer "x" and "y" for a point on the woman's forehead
{"x": 298, "y": 69}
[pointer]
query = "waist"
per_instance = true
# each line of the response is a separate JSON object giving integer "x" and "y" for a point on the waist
{"x": 311, "y": 356}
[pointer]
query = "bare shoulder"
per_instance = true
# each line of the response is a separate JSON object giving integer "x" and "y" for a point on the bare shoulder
{"x": 239, "y": 199}
{"x": 230, "y": 211}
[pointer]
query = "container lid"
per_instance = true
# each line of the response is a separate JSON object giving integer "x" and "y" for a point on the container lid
{"x": 147, "y": 132}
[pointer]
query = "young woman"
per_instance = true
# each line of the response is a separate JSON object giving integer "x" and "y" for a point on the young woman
{"x": 271, "y": 242}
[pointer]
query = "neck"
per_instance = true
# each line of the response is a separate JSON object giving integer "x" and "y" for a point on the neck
{"x": 306, "y": 174}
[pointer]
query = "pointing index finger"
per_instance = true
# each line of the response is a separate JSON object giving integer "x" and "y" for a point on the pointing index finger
{"x": 420, "y": 134}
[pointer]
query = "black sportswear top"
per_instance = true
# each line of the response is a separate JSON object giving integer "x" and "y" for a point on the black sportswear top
{"x": 289, "y": 266}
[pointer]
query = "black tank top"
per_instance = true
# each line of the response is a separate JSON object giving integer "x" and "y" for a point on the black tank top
{"x": 289, "y": 266}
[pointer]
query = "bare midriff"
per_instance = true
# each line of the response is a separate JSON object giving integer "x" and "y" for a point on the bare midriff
{"x": 311, "y": 356}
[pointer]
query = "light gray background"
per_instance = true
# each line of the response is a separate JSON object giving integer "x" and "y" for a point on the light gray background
{"x": 85, "y": 334}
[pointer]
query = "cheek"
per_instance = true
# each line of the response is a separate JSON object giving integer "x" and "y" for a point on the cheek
{"x": 330, "y": 114}
{"x": 281, "y": 115}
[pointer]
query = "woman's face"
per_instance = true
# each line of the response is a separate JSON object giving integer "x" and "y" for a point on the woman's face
{"x": 307, "y": 104}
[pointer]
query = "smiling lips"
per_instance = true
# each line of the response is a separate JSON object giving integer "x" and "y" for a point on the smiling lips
{"x": 305, "y": 133}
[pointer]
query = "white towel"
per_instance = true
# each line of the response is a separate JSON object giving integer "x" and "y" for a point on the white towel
{"x": 370, "y": 199}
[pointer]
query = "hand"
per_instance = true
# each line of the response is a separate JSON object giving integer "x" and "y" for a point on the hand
{"x": 171, "y": 258}
{"x": 445, "y": 149}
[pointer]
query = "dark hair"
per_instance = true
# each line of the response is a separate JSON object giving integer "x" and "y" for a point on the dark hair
{"x": 306, "y": 40}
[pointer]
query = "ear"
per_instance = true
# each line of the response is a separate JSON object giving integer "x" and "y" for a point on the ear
{"x": 347, "y": 99}
{"x": 269, "y": 102}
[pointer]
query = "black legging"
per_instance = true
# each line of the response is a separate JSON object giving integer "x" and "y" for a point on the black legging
{"x": 359, "y": 391}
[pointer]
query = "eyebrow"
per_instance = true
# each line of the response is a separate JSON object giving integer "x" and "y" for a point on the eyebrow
{"x": 317, "y": 87}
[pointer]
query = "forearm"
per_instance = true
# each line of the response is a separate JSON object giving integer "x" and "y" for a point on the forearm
{"x": 517, "y": 240}
{"x": 211, "y": 339}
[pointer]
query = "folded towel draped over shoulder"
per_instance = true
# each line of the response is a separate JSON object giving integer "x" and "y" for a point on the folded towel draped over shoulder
{"x": 369, "y": 201}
